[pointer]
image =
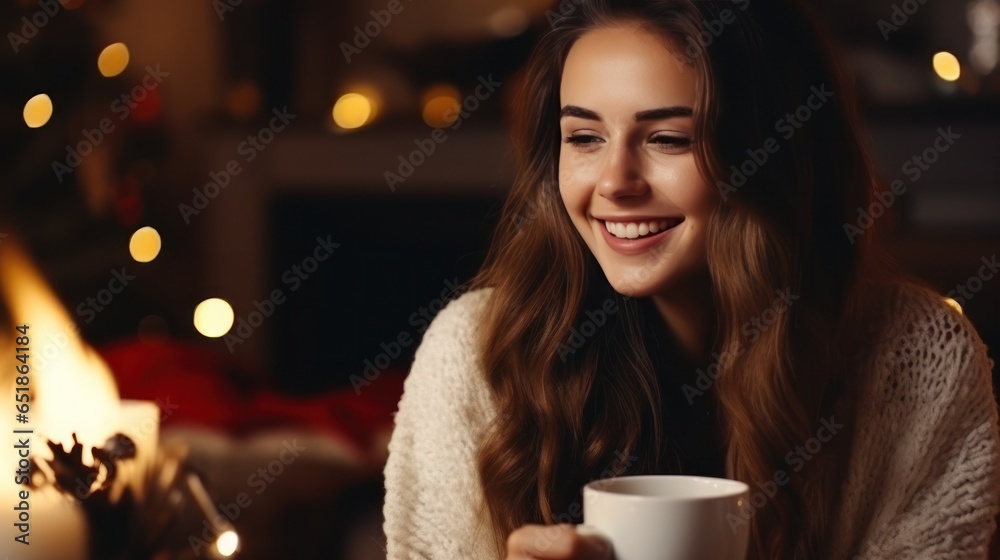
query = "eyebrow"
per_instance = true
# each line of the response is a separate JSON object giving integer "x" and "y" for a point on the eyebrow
{"x": 648, "y": 115}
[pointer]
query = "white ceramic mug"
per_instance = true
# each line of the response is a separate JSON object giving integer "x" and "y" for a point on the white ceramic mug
{"x": 666, "y": 517}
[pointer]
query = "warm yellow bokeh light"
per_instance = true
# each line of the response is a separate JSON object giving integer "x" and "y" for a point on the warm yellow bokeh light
{"x": 954, "y": 304}
{"x": 38, "y": 110}
{"x": 213, "y": 317}
{"x": 947, "y": 66}
{"x": 441, "y": 111}
{"x": 352, "y": 110}
{"x": 145, "y": 244}
{"x": 509, "y": 21}
{"x": 227, "y": 543}
{"x": 113, "y": 60}
{"x": 441, "y": 105}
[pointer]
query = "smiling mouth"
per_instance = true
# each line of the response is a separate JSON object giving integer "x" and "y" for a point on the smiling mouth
{"x": 641, "y": 230}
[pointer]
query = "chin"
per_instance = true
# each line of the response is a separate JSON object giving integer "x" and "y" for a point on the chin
{"x": 638, "y": 283}
{"x": 641, "y": 281}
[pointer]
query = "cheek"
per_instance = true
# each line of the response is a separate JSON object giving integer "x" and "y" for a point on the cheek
{"x": 572, "y": 191}
{"x": 574, "y": 201}
{"x": 686, "y": 188}
{"x": 575, "y": 167}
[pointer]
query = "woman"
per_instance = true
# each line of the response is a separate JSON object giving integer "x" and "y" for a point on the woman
{"x": 676, "y": 287}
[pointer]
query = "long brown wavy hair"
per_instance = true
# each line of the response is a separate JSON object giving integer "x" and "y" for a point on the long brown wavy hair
{"x": 563, "y": 422}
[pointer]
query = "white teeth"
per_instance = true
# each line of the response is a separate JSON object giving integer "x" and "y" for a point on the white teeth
{"x": 633, "y": 230}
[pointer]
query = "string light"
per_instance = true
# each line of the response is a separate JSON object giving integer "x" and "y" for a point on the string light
{"x": 441, "y": 105}
{"x": 145, "y": 244}
{"x": 227, "y": 543}
{"x": 113, "y": 60}
{"x": 213, "y": 317}
{"x": 352, "y": 110}
{"x": 946, "y": 66}
{"x": 38, "y": 111}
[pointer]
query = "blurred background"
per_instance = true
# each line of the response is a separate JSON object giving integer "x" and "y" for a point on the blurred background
{"x": 253, "y": 208}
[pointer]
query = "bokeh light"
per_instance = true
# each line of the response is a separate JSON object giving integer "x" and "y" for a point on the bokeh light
{"x": 946, "y": 66}
{"x": 213, "y": 317}
{"x": 441, "y": 105}
{"x": 145, "y": 244}
{"x": 227, "y": 543}
{"x": 38, "y": 110}
{"x": 352, "y": 110}
{"x": 113, "y": 60}
{"x": 509, "y": 21}
{"x": 954, "y": 304}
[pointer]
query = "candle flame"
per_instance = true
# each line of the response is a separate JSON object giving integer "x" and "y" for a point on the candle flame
{"x": 71, "y": 387}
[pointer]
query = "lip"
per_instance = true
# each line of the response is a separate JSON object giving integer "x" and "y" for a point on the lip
{"x": 634, "y": 246}
{"x": 627, "y": 219}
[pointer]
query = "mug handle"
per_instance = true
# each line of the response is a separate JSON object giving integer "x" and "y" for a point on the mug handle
{"x": 591, "y": 531}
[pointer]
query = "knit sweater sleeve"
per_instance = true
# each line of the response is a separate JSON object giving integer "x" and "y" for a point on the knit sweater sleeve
{"x": 433, "y": 495}
{"x": 924, "y": 481}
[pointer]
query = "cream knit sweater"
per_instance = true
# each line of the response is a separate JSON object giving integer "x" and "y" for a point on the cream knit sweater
{"x": 923, "y": 480}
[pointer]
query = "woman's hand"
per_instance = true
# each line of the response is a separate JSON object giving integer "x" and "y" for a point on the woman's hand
{"x": 555, "y": 542}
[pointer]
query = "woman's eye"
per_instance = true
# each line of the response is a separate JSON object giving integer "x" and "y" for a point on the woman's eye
{"x": 581, "y": 140}
{"x": 673, "y": 142}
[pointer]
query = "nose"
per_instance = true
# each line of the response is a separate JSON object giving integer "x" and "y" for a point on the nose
{"x": 621, "y": 175}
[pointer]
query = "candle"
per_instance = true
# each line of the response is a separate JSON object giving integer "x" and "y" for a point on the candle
{"x": 140, "y": 421}
{"x": 69, "y": 390}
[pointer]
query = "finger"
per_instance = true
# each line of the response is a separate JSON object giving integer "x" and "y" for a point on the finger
{"x": 520, "y": 542}
{"x": 555, "y": 542}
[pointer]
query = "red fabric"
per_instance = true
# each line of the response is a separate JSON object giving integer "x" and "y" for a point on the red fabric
{"x": 196, "y": 386}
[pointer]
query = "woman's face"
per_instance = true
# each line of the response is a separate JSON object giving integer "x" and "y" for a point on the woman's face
{"x": 626, "y": 160}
